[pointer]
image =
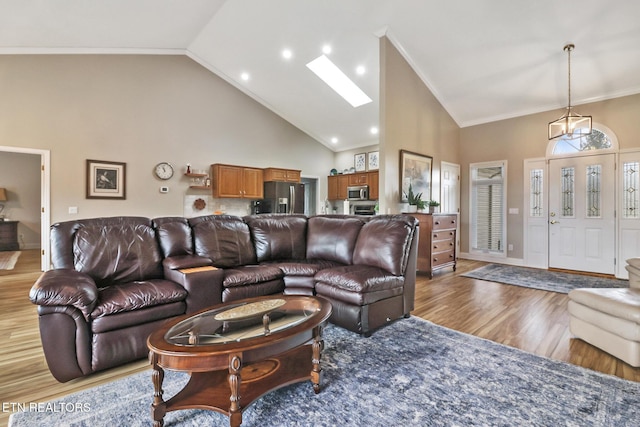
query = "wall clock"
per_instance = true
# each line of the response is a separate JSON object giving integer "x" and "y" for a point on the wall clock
{"x": 164, "y": 170}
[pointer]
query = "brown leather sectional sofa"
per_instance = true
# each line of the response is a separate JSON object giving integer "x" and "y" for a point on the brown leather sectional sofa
{"x": 115, "y": 280}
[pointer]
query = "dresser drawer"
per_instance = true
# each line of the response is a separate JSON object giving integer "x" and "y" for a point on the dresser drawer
{"x": 442, "y": 245}
{"x": 445, "y": 222}
{"x": 443, "y": 258}
{"x": 443, "y": 235}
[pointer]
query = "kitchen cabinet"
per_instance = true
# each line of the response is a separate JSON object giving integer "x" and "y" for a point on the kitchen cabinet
{"x": 337, "y": 187}
{"x": 437, "y": 241}
{"x": 337, "y": 184}
{"x": 231, "y": 181}
{"x": 281, "y": 175}
{"x": 358, "y": 178}
{"x": 373, "y": 181}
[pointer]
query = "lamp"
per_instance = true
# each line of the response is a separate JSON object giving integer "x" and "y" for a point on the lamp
{"x": 3, "y": 198}
{"x": 570, "y": 123}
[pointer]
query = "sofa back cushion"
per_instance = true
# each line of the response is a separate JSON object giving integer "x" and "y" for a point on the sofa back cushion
{"x": 225, "y": 239}
{"x": 117, "y": 252}
{"x": 278, "y": 237}
{"x": 385, "y": 242}
{"x": 174, "y": 235}
{"x": 332, "y": 239}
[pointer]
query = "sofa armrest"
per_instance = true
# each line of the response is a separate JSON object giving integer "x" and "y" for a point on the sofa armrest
{"x": 204, "y": 285}
{"x": 179, "y": 262}
{"x": 65, "y": 287}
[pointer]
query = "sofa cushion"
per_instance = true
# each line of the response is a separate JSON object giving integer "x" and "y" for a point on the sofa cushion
{"x": 332, "y": 239}
{"x": 117, "y": 253}
{"x": 175, "y": 238}
{"x": 303, "y": 267}
{"x": 250, "y": 274}
{"x": 385, "y": 242}
{"x": 278, "y": 236}
{"x": 136, "y": 295}
{"x": 359, "y": 278}
{"x": 224, "y": 239}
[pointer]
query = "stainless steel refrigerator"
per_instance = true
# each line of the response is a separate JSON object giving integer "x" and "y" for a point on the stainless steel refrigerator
{"x": 283, "y": 197}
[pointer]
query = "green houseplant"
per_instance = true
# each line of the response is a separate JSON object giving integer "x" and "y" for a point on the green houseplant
{"x": 433, "y": 206}
{"x": 414, "y": 200}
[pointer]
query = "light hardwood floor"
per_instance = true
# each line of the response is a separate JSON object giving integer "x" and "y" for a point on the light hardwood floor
{"x": 532, "y": 320}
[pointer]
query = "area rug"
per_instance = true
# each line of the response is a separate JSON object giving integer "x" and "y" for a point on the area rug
{"x": 409, "y": 373}
{"x": 8, "y": 259}
{"x": 542, "y": 279}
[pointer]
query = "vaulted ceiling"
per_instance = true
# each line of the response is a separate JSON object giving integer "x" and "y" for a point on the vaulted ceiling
{"x": 485, "y": 60}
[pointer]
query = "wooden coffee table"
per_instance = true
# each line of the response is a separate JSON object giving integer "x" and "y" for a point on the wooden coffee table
{"x": 238, "y": 351}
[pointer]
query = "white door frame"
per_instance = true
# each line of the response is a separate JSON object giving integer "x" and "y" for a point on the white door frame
{"x": 444, "y": 168}
{"x": 536, "y": 228}
{"x": 45, "y": 199}
{"x": 532, "y": 259}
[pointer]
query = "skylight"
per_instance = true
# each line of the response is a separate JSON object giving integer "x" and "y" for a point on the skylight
{"x": 338, "y": 81}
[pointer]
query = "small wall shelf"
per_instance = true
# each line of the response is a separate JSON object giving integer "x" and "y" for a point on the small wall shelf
{"x": 198, "y": 175}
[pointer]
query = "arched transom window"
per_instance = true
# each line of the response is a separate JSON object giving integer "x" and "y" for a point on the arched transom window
{"x": 597, "y": 140}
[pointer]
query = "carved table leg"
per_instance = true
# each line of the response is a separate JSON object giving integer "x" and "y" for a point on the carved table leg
{"x": 316, "y": 347}
{"x": 235, "y": 409}
{"x": 158, "y": 409}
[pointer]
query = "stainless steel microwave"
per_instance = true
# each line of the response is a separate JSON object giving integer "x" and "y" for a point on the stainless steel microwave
{"x": 358, "y": 192}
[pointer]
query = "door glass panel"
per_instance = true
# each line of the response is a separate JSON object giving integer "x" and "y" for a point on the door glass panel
{"x": 568, "y": 191}
{"x": 594, "y": 174}
{"x": 630, "y": 187}
{"x": 535, "y": 202}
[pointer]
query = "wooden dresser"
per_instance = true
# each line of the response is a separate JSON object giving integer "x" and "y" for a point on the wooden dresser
{"x": 437, "y": 244}
{"x": 9, "y": 236}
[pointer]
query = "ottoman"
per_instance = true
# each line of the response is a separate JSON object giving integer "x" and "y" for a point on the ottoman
{"x": 609, "y": 318}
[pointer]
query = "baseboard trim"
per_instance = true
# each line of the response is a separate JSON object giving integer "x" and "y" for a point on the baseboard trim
{"x": 490, "y": 258}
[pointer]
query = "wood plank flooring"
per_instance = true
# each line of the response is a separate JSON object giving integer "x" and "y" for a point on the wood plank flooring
{"x": 532, "y": 320}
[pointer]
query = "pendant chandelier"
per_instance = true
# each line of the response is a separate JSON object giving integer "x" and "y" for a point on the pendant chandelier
{"x": 572, "y": 124}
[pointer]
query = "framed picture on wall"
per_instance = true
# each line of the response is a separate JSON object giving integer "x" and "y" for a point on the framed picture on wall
{"x": 415, "y": 170}
{"x": 359, "y": 161}
{"x": 373, "y": 162}
{"x": 106, "y": 180}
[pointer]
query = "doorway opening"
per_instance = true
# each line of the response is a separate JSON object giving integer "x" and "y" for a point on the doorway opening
{"x": 30, "y": 189}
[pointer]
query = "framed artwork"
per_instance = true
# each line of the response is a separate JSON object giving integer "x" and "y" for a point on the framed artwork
{"x": 373, "y": 162}
{"x": 415, "y": 170}
{"x": 106, "y": 180}
{"x": 359, "y": 161}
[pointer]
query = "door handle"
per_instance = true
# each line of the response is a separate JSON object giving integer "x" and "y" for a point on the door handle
{"x": 553, "y": 222}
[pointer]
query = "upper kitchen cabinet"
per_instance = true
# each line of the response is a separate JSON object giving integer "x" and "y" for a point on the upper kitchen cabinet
{"x": 237, "y": 181}
{"x": 281, "y": 175}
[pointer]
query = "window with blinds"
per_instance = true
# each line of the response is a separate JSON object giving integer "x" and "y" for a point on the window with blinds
{"x": 488, "y": 194}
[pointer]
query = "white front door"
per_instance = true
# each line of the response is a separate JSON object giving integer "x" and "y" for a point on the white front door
{"x": 582, "y": 213}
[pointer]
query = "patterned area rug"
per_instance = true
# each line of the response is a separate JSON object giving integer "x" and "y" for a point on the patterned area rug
{"x": 542, "y": 279}
{"x": 410, "y": 373}
{"x": 8, "y": 259}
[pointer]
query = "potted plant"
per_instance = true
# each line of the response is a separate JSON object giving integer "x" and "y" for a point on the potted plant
{"x": 434, "y": 206}
{"x": 413, "y": 199}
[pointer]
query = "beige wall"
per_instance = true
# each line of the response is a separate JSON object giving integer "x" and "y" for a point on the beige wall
{"x": 411, "y": 118}
{"x": 525, "y": 137}
{"x": 140, "y": 110}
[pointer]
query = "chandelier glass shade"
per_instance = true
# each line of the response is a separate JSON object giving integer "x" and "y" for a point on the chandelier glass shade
{"x": 571, "y": 124}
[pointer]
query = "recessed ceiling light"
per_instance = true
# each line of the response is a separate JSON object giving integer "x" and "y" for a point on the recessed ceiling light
{"x": 374, "y": 130}
{"x": 244, "y": 76}
{"x": 326, "y": 49}
{"x": 338, "y": 81}
{"x": 287, "y": 54}
{"x": 360, "y": 70}
{"x": 334, "y": 140}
